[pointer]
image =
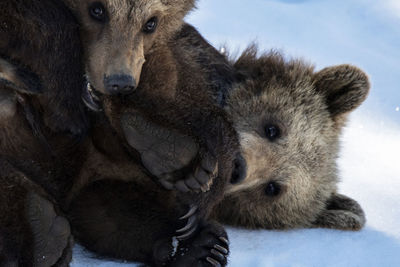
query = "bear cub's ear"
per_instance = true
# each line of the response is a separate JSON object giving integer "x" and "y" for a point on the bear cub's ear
{"x": 18, "y": 79}
{"x": 341, "y": 213}
{"x": 15, "y": 80}
{"x": 345, "y": 87}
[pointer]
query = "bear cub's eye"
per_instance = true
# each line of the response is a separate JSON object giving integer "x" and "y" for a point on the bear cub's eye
{"x": 272, "y": 132}
{"x": 97, "y": 11}
{"x": 150, "y": 25}
{"x": 273, "y": 189}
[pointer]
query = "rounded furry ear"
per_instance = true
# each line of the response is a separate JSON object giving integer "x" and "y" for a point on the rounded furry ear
{"x": 341, "y": 213}
{"x": 345, "y": 87}
{"x": 18, "y": 79}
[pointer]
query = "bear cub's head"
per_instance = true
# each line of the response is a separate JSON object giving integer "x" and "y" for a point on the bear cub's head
{"x": 118, "y": 35}
{"x": 289, "y": 119}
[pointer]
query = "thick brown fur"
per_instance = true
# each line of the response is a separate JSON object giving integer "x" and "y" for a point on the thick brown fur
{"x": 292, "y": 179}
{"x": 178, "y": 90}
{"x": 42, "y": 121}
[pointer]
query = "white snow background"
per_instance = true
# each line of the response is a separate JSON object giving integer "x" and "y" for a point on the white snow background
{"x": 365, "y": 33}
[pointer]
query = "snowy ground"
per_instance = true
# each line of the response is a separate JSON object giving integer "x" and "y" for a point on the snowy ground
{"x": 365, "y": 33}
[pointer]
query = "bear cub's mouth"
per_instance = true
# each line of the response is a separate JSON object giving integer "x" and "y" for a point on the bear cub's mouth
{"x": 91, "y": 98}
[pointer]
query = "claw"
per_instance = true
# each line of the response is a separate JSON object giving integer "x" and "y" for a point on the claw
{"x": 189, "y": 225}
{"x": 192, "y": 211}
{"x": 225, "y": 240}
{"x": 221, "y": 249}
{"x": 187, "y": 235}
{"x": 218, "y": 254}
{"x": 213, "y": 262}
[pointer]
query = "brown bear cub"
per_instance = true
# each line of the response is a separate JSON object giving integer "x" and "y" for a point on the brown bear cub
{"x": 42, "y": 119}
{"x": 146, "y": 40}
{"x": 289, "y": 119}
{"x": 118, "y": 38}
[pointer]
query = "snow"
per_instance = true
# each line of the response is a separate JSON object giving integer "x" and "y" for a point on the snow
{"x": 393, "y": 6}
{"x": 367, "y": 34}
{"x": 175, "y": 246}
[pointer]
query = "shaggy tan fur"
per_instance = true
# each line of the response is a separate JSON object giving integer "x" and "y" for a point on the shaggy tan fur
{"x": 309, "y": 109}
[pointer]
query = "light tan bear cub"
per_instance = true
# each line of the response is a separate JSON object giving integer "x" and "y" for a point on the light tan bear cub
{"x": 290, "y": 118}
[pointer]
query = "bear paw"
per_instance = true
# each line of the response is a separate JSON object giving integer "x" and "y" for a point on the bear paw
{"x": 52, "y": 244}
{"x": 162, "y": 150}
{"x": 210, "y": 247}
{"x": 166, "y": 152}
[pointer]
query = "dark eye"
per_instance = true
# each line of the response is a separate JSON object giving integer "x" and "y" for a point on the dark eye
{"x": 97, "y": 11}
{"x": 273, "y": 189}
{"x": 150, "y": 25}
{"x": 272, "y": 132}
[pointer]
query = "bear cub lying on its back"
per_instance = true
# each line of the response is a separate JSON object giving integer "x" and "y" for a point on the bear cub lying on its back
{"x": 289, "y": 119}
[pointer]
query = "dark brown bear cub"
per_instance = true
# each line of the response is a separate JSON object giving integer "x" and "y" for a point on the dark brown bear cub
{"x": 175, "y": 91}
{"x": 41, "y": 121}
{"x": 119, "y": 37}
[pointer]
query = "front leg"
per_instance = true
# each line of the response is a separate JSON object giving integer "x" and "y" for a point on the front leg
{"x": 178, "y": 132}
{"x": 206, "y": 124}
{"x": 219, "y": 146}
{"x": 175, "y": 160}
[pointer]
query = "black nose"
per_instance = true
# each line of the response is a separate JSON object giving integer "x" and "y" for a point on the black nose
{"x": 119, "y": 84}
{"x": 239, "y": 172}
